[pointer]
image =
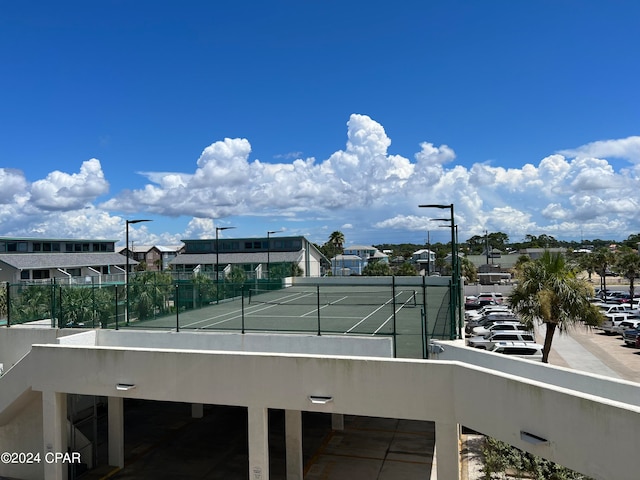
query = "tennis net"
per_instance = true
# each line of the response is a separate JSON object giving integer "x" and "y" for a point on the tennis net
{"x": 403, "y": 298}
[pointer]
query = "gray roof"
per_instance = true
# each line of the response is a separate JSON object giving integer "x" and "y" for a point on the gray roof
{"x": 235, "y": 258}
{"x": 24, "y": 261}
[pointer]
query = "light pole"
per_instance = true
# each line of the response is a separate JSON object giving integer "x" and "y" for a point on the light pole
{"x": 219, "y": 229}
{"x": 269, "y": 233}
{"x": 455, "y": 270}
{"x": 126, "y": 272}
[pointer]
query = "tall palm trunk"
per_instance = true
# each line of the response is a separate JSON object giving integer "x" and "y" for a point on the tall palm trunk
{"x": 548, "y": 338}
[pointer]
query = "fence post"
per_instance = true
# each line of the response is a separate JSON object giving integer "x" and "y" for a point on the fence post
{"x": 424, "y": 319}
{"x": 116, "y": 307}
{"x": 177, "y": 305}
{"x": 318, "y": 306}
{"x": 393, "y": 304}
{"x": 8, "y": 304}
{"x": 61, "y": 312}
{"x": 242, "y": 305}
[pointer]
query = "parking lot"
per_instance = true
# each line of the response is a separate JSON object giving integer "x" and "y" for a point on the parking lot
{"x": 610, "y": 349}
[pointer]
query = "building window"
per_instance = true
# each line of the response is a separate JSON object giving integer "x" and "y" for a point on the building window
{"x": 40, "y": 274}
{"x": 17, "y": 247}
{"x": 24, "y": 275}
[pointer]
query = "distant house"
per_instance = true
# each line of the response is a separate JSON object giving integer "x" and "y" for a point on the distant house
{"x": 355, "y": 258}
{"x": 345, "y": 265}
{"x": 64, "y": 260}
{"x": 536, "y": 253}
{"x": 155, "y": 257}
{"x": 168, "y": 253}
{"x": 424, "y": 260}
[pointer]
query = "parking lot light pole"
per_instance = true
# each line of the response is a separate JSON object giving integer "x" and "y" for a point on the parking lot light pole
{"x": 269, "y": 233}
{"x": 218, "y": 229}
{"x": 126, "y": 272}
{"x": 455, "y": 270}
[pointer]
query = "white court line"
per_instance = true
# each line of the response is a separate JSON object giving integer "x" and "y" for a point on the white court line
{"x": 255, "y": 308}
{"x": 365, "y": 318}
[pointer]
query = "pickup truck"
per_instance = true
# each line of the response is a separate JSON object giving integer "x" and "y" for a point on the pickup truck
{"x": 612, "y": 321}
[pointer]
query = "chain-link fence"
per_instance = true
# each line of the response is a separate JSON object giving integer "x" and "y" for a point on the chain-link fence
{"x": 413, "y": 313}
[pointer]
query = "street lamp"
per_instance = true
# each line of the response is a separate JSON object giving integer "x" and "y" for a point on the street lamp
{"x": 455, "y": 268}
{"x": 219, "y": 229}
{"x": 126, "y": 272}
{"x": 269, "y": 233}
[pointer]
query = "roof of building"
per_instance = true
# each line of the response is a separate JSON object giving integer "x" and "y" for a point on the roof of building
{"x": 49, "y": 239}
{"x": 346, "y": 257}
{"x": 236, "y": 258}
{"x": 63, "y": 260}
{"x": 360, "y": 247}
{"x": 169, "y": 248}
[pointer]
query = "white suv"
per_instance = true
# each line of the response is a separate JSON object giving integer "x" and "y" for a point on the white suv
{"x": 489, "y": 340}
{"x": 500, "y": 325}
{"x": 526, "y": 350}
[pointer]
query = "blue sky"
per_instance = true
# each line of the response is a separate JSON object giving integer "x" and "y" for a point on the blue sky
{"x": 315, "y": 116}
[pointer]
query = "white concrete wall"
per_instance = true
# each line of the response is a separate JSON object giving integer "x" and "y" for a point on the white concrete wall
{"x": 253, "y": 342}
{"x": 592, "y": 384}
{"x": 587, "y": 433}
{"x": 24, "y": 434}
{"x": 594, "y": 431}
{"x": 16, "y": 341}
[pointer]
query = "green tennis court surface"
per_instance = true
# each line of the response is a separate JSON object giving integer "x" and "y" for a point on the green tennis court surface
{"x": 401, "y": 312}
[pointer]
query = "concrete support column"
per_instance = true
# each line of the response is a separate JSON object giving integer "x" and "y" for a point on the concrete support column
{"x": 115, "y": 416}
{"x": 54, "y": 433}
{"x": 293, "y": 444}
{"x": 258, "y": 423}
{"x": 448, "y": 450}
{"x": 197, "y": 410}
{"x": 337, "y": 421}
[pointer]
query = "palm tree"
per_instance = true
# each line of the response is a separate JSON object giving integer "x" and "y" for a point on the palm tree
{"x": 469, "y": 270}
{"x": 628, "y": 265}
{"x": 603, "y": 259}
{"x": 588, "y": 262}
{"x": 337, "y": 240}
{"x": 549, "y": 292}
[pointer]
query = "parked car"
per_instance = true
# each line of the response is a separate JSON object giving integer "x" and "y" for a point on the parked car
{"x": 490, "y": 319}
{"x": 492, "y": 298}
{"x": 607, "y": 308}
{"x": 630, "y": 324}
{"x": 626, "y": 298}
{"x": 526, "y": 350}
{"x": 485, "y": 310}
{"x": 630, "y": 337}
{"x": 613, "y": 320}
{"x": 504, "y": 325}
{"x": 488, "y": 341}
{"x": 471, "y": 302}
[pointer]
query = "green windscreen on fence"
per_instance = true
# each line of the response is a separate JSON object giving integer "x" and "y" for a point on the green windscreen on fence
{"x": 410, "y": 313}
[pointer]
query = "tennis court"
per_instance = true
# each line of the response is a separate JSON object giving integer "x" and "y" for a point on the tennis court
{"x": 408, "y": 313}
